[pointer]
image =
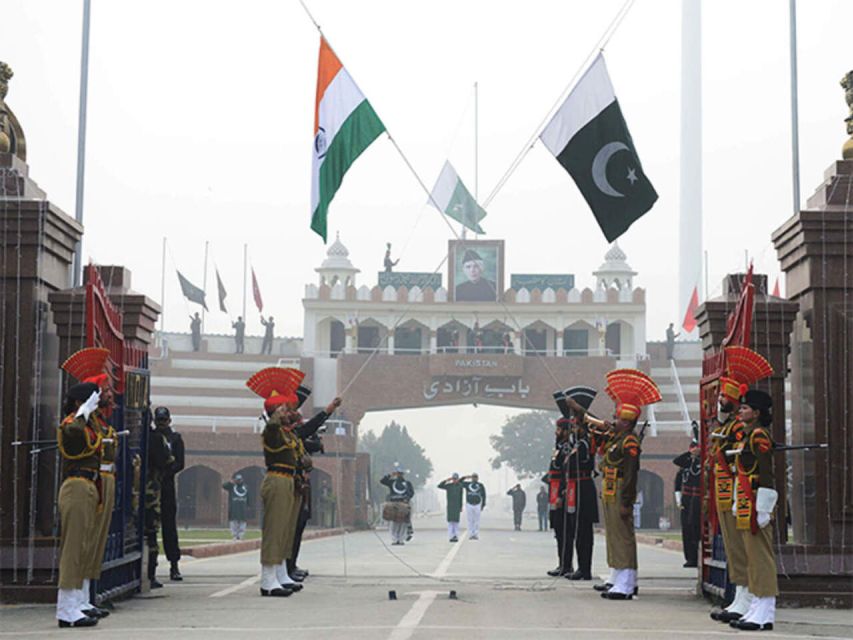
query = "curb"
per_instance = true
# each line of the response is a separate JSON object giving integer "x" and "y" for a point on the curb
{"x": 241, "y": 546}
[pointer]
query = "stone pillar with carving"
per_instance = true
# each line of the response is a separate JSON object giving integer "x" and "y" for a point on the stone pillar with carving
{"x": 37, "y": 241}
{"x": 815, "y": 247}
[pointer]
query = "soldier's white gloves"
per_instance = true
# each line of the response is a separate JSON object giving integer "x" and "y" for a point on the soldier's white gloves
{"x": 89, "y": 406}
{"x": 765, "y": 502}
{"x": 678, "y": 499}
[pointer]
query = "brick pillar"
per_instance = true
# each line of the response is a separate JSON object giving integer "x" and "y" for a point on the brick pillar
{"x": 37, "y": 242}
{"x": 815, "y": 248}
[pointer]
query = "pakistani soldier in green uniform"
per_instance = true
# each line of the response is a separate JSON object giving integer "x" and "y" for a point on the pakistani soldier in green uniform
{"x": 454, "y": 490}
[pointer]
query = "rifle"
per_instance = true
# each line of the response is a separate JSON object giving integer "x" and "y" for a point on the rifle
{"x": 778, "y": 448}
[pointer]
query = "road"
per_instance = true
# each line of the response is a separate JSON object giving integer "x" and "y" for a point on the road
{"x": 500, "y": 582}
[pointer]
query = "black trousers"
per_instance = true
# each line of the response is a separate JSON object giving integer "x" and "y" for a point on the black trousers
{"x": 691, "y": 527}
{"x": 579, "y": 537}
{"x": 516, "y": 518}
{"x": 301, "y": 522}
{"x": 559, "y": 521}
{"x": 169, "y": 519}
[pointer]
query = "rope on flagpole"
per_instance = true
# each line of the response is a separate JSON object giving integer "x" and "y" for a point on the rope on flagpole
{"x": 531, "y": 141}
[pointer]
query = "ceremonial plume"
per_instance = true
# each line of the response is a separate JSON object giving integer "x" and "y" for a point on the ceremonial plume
{"x": 87, "y": 365}
{"x": 275, "y": 381}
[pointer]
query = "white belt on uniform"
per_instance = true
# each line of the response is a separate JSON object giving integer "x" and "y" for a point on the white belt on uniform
{"x": 108, "y": 468}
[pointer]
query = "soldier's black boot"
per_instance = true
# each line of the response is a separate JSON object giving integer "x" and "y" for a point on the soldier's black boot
{"x": 175, "y": 573}
{"x": 152, "y": 569}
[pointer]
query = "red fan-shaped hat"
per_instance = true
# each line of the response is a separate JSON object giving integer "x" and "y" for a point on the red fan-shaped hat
{"x": 744, "y": 367}
{"x": 276, "y": 385}
{"x": 87, "y": 365}
{"x": 631, "y": 390}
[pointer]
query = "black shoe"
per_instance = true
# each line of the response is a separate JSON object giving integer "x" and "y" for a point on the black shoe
{"x": 610, "y": 595}
{"x": 175, "y": 573}
{"x": 454, "y": 539}
{"x": 82, "y": 622}
{"x": 567, "y": 572}
{"x": 276, "y": 593}
{"x": 304, "y": 572}
{"x": 296, "y": 577}
{"x": 95, "y": 612}
{"x": 474, "y": 538}
{"x": 602, "y": 586}
{"x": 298, "y": 573}
{"x": 555, "y": 572}
{"x": 292, "y": 586}
{"x": 579, "y": 575}
{"x": 743, "y": 625}
{"x": 725, "y": 616}
{"x": 156, "y": 584}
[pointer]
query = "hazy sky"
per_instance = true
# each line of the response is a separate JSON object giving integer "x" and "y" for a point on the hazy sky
{"x": 201, "y": 113}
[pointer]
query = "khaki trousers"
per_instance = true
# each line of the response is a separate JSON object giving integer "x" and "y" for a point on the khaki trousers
{"x": 103, "y": 517}
{"x": 280, "y": 510}
{"x": 761, "y": 562}
{"x": 619, "y": 533}
{"x": 78, "y": 500}
{"x": 735, "y": 549}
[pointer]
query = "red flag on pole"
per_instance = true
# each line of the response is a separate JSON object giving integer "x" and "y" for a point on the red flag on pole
{"x": 690, "y": 317}
{"x": 256, "y": 292}
{"x": 776, "y": 293}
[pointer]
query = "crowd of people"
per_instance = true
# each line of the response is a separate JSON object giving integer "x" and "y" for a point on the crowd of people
{"x": 739, "y": 466}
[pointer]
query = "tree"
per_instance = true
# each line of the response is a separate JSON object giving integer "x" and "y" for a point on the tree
{"x": 525, "y": 443}
{"x": 394, "y": 444}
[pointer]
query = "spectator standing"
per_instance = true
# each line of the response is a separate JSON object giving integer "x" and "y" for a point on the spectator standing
{"x": 519, "y": 501}
{"x": 238, "y": 506}
{"x": 542, "y": 508}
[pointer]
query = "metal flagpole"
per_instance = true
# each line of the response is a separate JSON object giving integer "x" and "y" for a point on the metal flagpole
{"x": 795, "y": 133}
{"x": 245, "y": 276}
{"x": 204, "y": 283}
{"x": 81, "y": 140}
{"x": 476, "y": 146}
{"x": 163, "y": 291}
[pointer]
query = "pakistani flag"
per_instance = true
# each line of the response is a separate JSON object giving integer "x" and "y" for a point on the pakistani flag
{"x": 191, "y": 292}
{"x": 589, "y": 137}
{"x": 222, "y": 293}
{"x": 451, "y": 197}
{"x": 344, "y": 126}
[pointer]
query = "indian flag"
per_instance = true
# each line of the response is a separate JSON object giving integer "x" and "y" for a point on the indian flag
{"x": 344, "y": 126}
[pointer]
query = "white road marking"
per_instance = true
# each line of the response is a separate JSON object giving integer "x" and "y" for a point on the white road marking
{"x": 236, "y": 587}
{"x": 441, "y": 571}
{"x": 407, "y": 626}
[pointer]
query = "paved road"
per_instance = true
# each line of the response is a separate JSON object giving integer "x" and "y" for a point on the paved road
{"x": 500, "y": 581}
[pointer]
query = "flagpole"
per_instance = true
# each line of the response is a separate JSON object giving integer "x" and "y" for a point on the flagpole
{"x": 795, "y": 133}
{"x": 81, "y": 139}
{"x": 163, "y": 291}
{"x": 476, "y": 148}
{"x": 245, "y": 275}
{"x": 204, "y": 283}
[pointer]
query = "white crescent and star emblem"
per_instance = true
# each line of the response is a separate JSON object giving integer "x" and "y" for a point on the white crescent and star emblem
{"x": 599, "y": 169}
{"x": 399, "y": 487}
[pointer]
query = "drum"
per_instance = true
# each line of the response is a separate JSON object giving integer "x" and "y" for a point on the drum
{"x": 396, "y": 511}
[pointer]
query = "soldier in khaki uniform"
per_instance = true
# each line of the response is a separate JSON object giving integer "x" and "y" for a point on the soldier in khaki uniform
{"x": 743, "y": 367}
{"x": 88, "y": 365}
{"x": 278, "y": 491}
{"x": 755, "y": 503}
{"x": 79, "y": 447}
{"x": 619, "y": 447}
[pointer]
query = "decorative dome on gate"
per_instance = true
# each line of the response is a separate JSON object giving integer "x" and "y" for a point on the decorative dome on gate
{"x": 337, "y": 266}
{"x": 615, "y": 272}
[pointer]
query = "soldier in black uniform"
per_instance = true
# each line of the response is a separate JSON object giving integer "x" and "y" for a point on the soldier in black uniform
{"x": 311, "y": 443}
{"x": 159, "y": 461}
{"x": 168, "y": 497}
{"x": 580, "y": 500}
{"x": 556, "y": 481}
{"x": 688, "y": 498}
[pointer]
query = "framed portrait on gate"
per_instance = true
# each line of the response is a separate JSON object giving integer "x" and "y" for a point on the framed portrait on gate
{"x": 475, "y": 270}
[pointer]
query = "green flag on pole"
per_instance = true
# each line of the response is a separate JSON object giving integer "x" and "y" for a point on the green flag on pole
{"x": 590, "y": 139}
{"x": 452, "y": 197}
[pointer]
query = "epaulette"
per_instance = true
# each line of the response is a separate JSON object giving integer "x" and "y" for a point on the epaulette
{"x": 760, "y": 440}
{"x": 631, "y": 445}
